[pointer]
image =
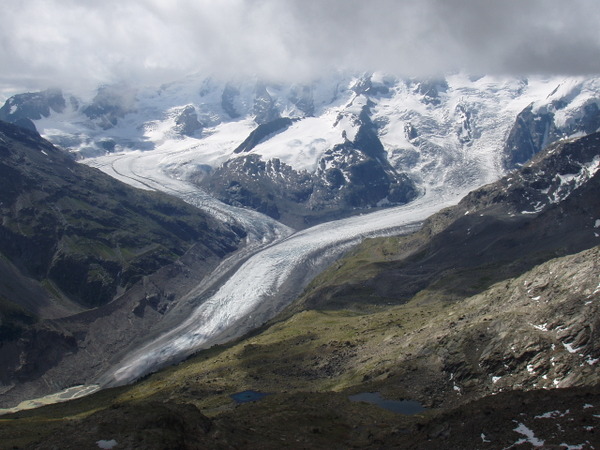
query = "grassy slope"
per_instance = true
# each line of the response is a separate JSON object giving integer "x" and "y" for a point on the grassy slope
{"x": 311, "y": 361}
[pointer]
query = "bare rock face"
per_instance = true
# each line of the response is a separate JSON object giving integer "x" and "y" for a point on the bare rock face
{"x": 536, "y": 128}
{"x": 186, "y": 122}
{"x": 32, "y": 106}
{"x": 110, "y": 104}
{"x": 264, "y": 109}
{"x": 228, "y": 98}
{"x": 529, "y": 332}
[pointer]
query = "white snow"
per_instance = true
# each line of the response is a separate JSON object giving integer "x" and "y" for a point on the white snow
{"x": 107, "y": 444}
{"x": 552, "y": 414}
{"x": 570, "y": 182}
{"x": 491, "y": 103}
{"x": 579, "y": 95}
{"x": 304, "y": 142}
{"x": 570, "y": 349}
{"x": 529, "y": 436}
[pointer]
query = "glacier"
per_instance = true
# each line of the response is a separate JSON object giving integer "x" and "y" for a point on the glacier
{"x": 267, "y": 282}
{"x": 277, "y": 262}
{"x": 447, "y": 134}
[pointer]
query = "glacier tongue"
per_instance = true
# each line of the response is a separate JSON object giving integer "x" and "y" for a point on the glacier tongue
{"x": 267, "y": 282}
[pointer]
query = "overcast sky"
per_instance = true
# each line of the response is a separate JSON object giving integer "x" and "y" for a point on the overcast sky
{"x": 80, "y": 43}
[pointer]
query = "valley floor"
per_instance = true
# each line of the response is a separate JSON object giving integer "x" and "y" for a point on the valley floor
{"x": 490, "y": 374}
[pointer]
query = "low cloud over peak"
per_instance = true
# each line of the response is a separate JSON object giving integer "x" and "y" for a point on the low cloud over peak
{"x": 80, "y": 43}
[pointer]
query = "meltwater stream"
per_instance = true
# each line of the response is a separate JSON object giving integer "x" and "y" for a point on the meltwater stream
{"x": 276, "y": 265}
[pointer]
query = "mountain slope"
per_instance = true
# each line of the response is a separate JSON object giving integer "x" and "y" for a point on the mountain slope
{"x": 571, "y": 109}
{"x": 74, "y": 239}
{"x": 549, "y": 208}
{"x": 84, "y": 232}
{"x": 534, "y": 331}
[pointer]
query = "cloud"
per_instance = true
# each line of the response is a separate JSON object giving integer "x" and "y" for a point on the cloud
{"x": 81, "y": 43}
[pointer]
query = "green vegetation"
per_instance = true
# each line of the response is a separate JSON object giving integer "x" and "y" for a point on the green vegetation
{"x": 79, "y": 227}
{"x": 442, "y": 353}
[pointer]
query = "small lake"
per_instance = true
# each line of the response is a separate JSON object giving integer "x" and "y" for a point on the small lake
{"x": 248, "y": 396}
{"x": 397, "y": 406}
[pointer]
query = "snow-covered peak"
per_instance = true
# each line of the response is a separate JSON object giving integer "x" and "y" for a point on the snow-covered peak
{"x": 443, "y": 133}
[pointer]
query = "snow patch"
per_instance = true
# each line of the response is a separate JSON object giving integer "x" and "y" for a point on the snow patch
{"x": 529, "y": 436}
{"x": 552, "y": 414}
{"x": 573, "y": 447}
{"x": 570, "y": 349}
{"x": 303, "y": 143}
